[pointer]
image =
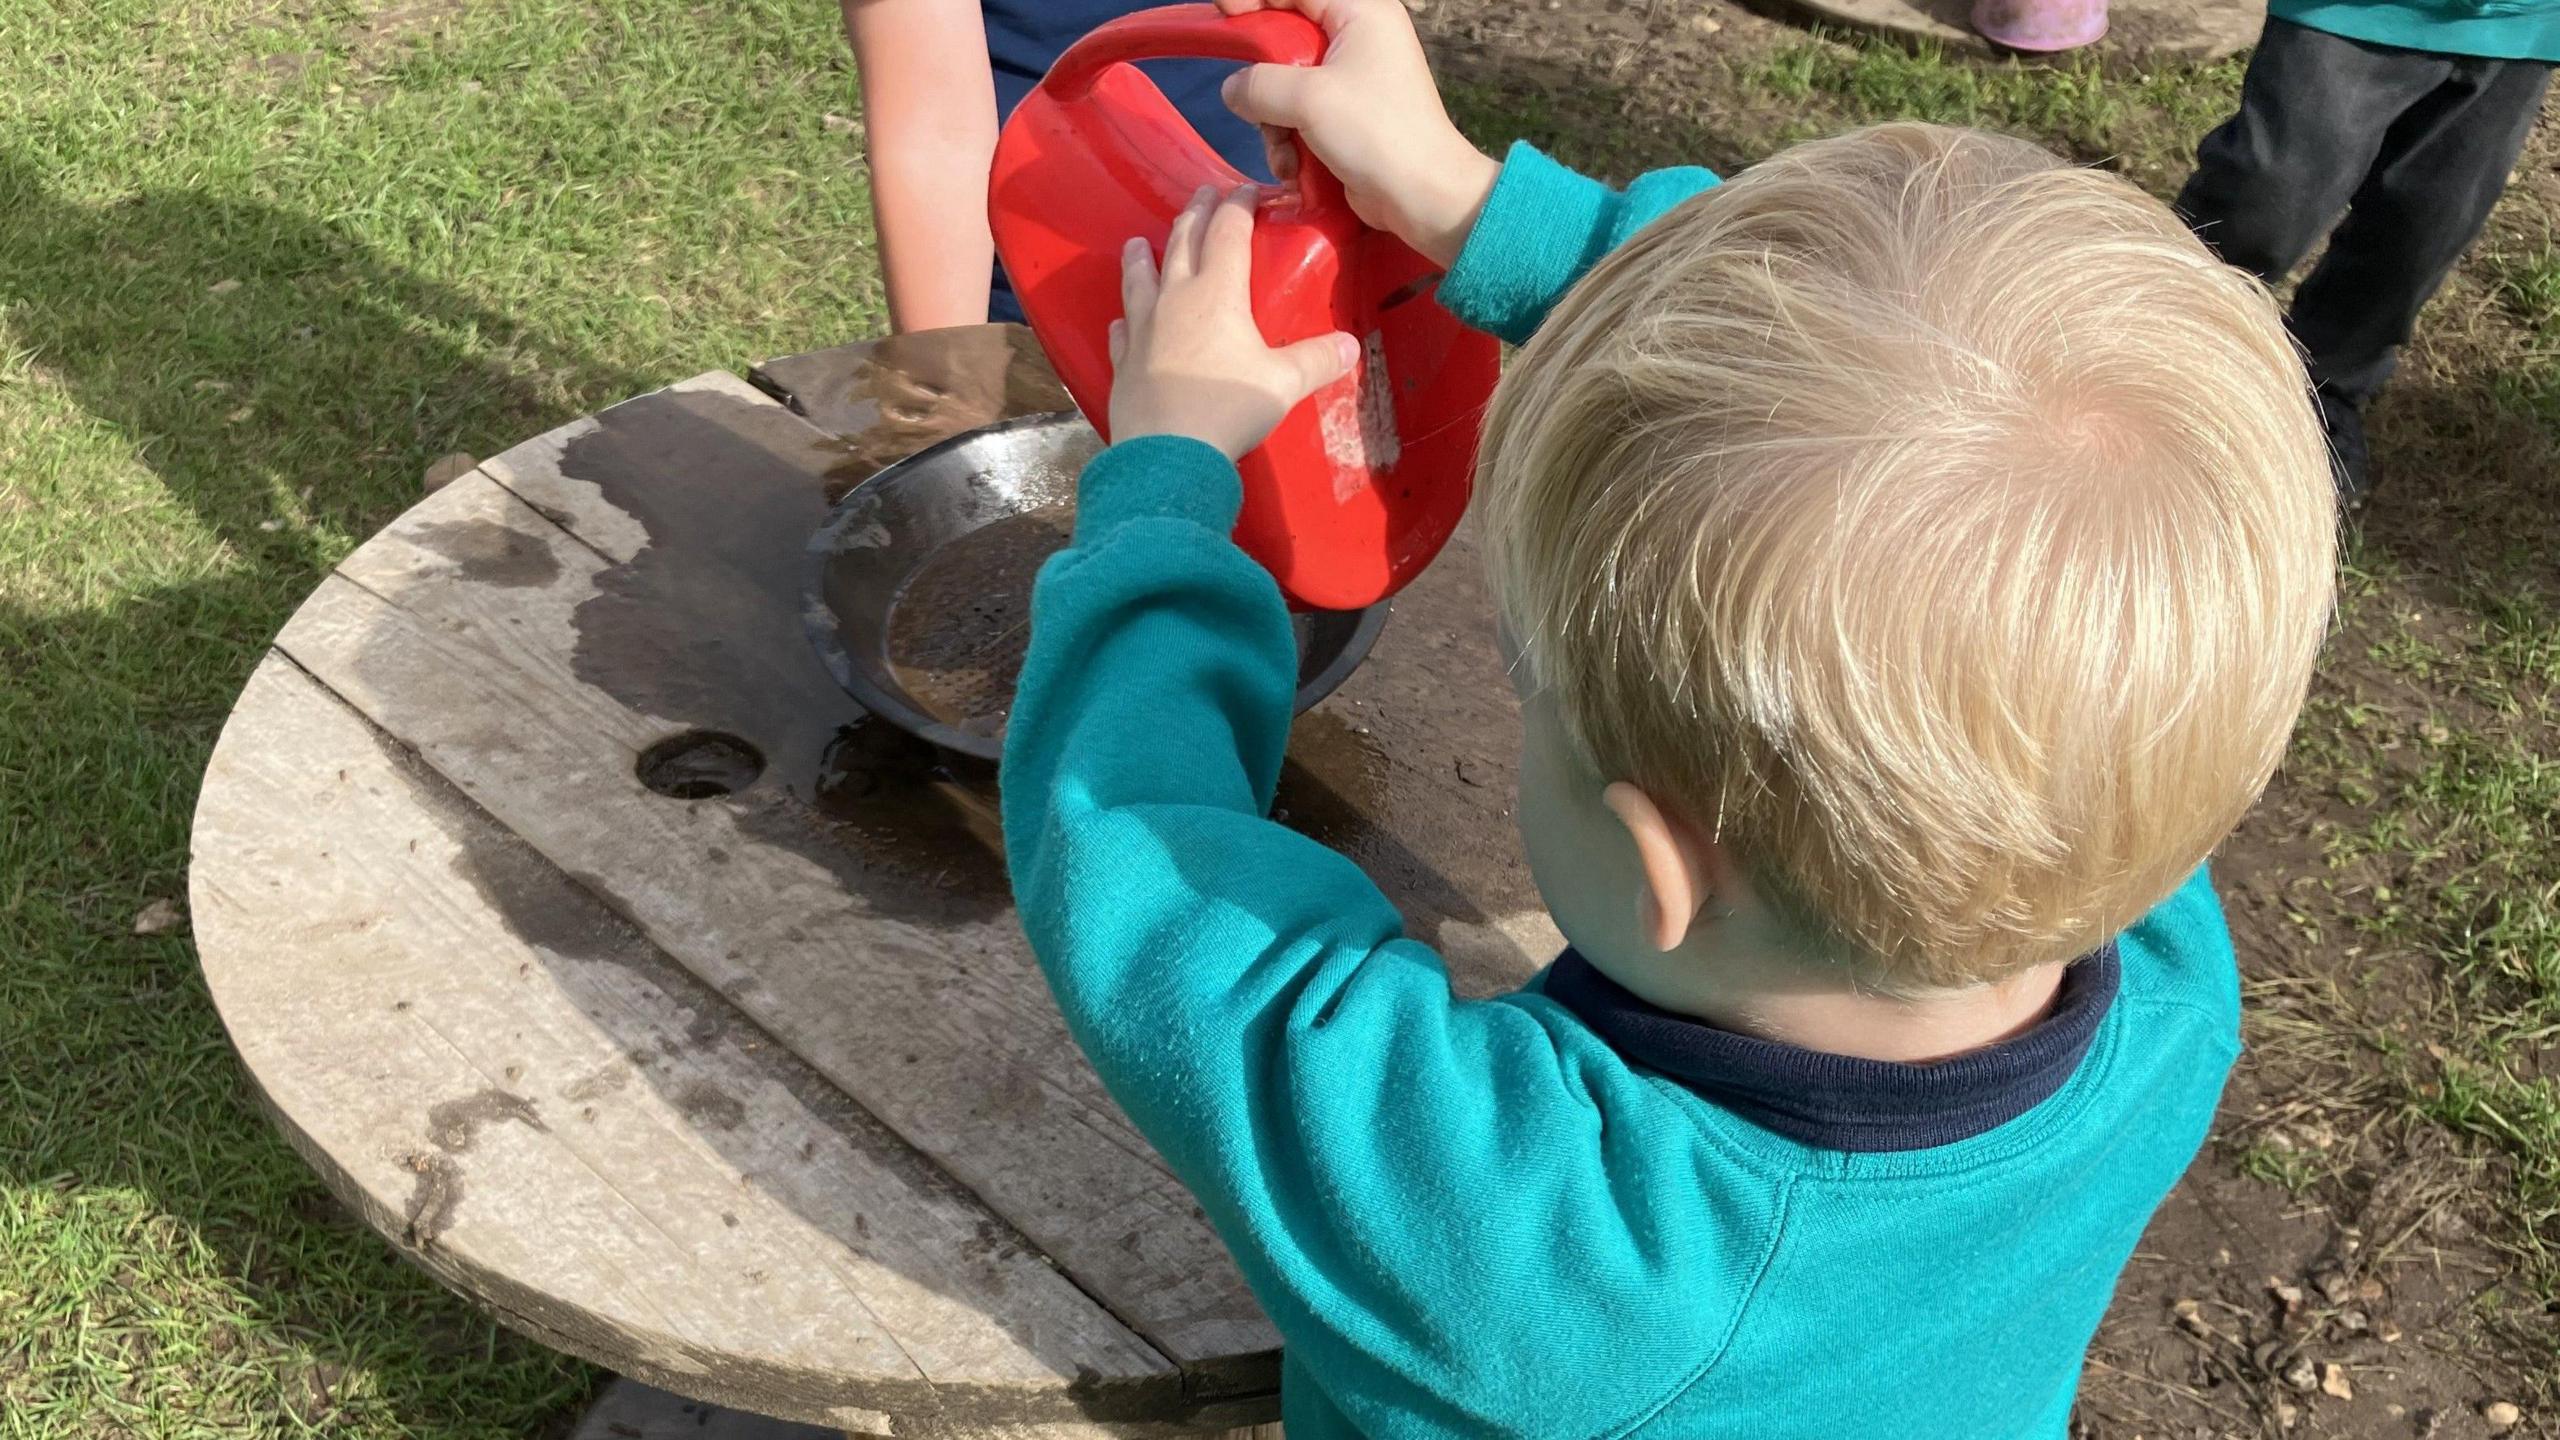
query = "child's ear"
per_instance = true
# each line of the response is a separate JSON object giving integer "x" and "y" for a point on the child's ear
{"x": 1675, "y": 884}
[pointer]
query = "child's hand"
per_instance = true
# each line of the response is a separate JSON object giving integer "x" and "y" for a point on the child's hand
{"x": 1373, "y": 115}
{"x": 1189, "y": 359}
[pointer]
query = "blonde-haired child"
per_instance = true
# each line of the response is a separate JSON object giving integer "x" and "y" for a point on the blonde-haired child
{"x": 1914, "y": 553}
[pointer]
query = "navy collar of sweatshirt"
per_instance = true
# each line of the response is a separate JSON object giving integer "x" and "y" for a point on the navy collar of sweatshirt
{"x": 1841, "y": 1102}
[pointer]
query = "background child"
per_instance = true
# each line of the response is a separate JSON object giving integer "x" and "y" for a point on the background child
{"x": 938, "y": 79}
{"x": 2407, "y": 118}
{"x": 1914, "y": 554}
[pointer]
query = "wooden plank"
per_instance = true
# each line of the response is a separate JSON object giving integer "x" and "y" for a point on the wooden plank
{"x": 539, "y": 1106}
{"x": 531, "y": 672}
{"x": 883, "y": 400}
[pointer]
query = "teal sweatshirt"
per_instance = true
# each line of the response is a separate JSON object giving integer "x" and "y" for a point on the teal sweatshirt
{"x": 1485, "y": 1218}
{"x": 2499, "y": 29}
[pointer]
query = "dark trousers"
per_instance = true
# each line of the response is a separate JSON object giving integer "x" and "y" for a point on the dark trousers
{"x": 2412, "y": 146}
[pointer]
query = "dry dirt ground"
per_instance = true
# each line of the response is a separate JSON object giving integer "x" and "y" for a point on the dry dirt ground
{"x": 2341, "y": 1261}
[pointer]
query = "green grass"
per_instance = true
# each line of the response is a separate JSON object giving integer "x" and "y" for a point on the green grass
{"x": 2460, "y": 859}
{"x": 2282, "y": 1166}
{"x": 260, "y": 264}
{"x": 2081, "y": 105}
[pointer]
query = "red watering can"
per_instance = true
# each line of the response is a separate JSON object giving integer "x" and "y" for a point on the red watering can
{"x": 1359, "y": 487}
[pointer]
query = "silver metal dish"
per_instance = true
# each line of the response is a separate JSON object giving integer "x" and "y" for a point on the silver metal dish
{"x": 920, "y": 601}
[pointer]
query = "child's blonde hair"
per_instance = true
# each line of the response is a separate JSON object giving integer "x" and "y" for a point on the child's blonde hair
{"x": 1938, "y": 524}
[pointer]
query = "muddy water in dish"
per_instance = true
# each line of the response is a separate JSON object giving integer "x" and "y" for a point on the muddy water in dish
{"x": 960, "y": 626}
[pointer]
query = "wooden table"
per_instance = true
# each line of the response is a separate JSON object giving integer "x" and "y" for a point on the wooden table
{"x": 746, "y": 1084}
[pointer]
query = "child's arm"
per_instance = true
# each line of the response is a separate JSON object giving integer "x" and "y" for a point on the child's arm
{"x": 929, "y": 127}
{"x": 1515, "y": 236}
{"x": 1450, "y": 1210}
{"x": 1540, "y": 229}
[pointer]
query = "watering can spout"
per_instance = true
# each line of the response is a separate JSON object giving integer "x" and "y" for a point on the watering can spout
{"x": 1357, "y": 490}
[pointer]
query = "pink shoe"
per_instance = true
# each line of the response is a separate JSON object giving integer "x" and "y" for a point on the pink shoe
{"x": 2041, "y": 26}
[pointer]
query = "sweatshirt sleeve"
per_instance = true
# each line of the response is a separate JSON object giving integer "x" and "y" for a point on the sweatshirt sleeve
{"x": 1250, "y": 999}
{"x": 1542, "y": 227}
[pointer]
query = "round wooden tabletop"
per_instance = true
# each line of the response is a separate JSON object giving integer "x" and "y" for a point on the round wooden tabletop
{"x": 618, "y": 969}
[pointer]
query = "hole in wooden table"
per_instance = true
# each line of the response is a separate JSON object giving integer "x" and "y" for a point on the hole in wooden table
{"x": 700, "y": 764}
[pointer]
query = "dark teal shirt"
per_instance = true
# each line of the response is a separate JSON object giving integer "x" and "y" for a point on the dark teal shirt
{"x": 1482, "y": 1218}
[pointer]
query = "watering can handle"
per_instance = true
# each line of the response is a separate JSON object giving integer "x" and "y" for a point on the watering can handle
{"x": 1173, "y": 32}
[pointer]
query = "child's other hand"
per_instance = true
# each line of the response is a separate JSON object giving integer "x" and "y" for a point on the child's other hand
{"x": 1188, "y": 358}
{"x": 1373, "y": 115}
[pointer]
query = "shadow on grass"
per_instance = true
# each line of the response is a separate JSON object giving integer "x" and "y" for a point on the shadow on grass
{"x": 1663, "y": 92}
{"x": 268, "y": 365}
{"x": 287, "y": 386}
{"x": 2467, "y": 488}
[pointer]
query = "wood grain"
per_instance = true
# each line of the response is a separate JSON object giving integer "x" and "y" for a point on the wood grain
{"x": 542, "y": 1108}
{"x": 470, "y": 631}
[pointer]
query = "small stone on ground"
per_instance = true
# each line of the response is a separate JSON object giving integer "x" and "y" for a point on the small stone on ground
{"x": 158, "y": 917}
{"x": 446, "y": 469}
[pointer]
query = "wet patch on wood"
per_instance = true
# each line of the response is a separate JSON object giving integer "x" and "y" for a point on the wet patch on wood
{"x": 451, "y": 1128}
{"x": 490, "y": 554}
{"x": 453, "y": 1125}
{"x": 434, "y": 1199}
{"x": 702, "y": 626}
{"x": 708, "y": 1104}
